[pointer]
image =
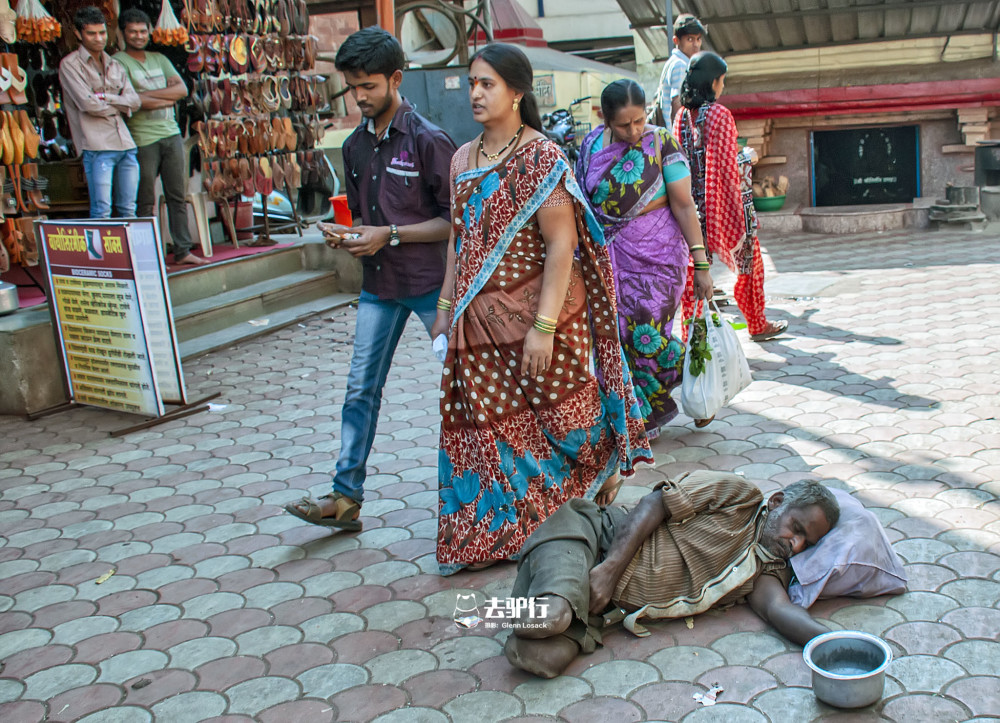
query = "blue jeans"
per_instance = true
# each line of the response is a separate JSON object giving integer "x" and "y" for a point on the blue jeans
{"x": 379, "y": 326}
{"x": 111, "y": 169}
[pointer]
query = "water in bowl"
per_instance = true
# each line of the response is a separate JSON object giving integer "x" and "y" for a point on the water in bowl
{"x": 845, "y": 656}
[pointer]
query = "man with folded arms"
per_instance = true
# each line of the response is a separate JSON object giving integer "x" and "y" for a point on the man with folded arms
{"x": 155, "y": 131}
{"x": 97, "y": 94}
{"x": 709, "y": 539}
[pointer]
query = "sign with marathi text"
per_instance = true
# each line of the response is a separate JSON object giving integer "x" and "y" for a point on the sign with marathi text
{"x": 112, "y": 312}
{"x": 866, "y": 166}
{"x": 545, "y": 90}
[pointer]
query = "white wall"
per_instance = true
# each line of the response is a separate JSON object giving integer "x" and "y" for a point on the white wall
{"x": 579, "y": 19}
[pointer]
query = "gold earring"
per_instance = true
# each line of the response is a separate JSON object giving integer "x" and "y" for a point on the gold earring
{"x": 517, "y": 103}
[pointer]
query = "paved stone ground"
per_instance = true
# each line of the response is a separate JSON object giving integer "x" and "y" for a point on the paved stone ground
{"x": 222, "y": 607}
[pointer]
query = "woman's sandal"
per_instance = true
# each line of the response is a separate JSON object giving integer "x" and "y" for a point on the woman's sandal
{"x": 699, "y": 423}
{"x": 345, "y": 517}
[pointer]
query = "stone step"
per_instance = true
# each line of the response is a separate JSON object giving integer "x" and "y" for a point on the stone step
{"x": 959, "y": 225}
{"x": 859, "y": 219}
{"x": 944, "y": 206}
{"x": 960, "y": 217}
{"x": 203, "y": 282}
{"x": 229, "y": 336}
{"x": 240, "y": 305}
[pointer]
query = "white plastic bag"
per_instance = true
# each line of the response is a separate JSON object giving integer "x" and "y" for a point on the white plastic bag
{"x": 725, "y": 373}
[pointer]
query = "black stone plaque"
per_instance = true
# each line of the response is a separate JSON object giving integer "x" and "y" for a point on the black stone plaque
{"x": 866, "y": 166}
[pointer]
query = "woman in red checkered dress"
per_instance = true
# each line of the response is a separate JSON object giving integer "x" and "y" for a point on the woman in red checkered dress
{"x": 707, "y": 133}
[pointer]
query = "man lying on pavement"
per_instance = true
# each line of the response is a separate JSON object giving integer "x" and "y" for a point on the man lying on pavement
{"x": 707, "y": 540}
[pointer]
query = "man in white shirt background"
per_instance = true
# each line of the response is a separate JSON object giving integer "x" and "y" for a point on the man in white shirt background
{"x": 688, "y": 35}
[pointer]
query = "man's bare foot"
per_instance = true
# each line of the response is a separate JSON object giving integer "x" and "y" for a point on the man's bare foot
{"x": 189, "y": 259}
{"x": 549, "y": 616}
{"x": 546, "y": 658}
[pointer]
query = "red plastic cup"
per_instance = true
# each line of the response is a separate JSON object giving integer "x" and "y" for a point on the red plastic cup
{"x": 341, "y": 211}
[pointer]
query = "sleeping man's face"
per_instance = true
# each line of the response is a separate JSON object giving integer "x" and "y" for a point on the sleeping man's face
{"x": 790, "y": 530}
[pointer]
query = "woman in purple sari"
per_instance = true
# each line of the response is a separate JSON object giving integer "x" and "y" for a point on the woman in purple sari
{"x": 637, "y": 182}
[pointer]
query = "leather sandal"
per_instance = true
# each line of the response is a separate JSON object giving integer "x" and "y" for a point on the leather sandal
{"x": 284, "y": 94}
{"x": 196, "y": 54}
{"x": 19, "y": 79}
{"x": 291, "y": 138}
{"x": 280, "y": 14}
{"x": 33, "y": 186}
{"x": 246, "y": 178}
{"x": 277, "y": 173}
{"x": 6, "y": 143}
{"x": 773, "y": 329}
{"x": 345, "y": 516}
{"x": 17, "y": 137}
{"x": 263, "y": 181}
{"x": 29, "y": 245}
{"x": 6, "y": 80}
{"x": 12, "y": 241}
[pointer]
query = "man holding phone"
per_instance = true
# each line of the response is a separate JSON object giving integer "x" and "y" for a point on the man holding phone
{"x": 398, "y": 188}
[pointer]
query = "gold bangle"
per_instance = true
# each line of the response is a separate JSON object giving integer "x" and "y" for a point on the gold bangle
{"x": 545, "y": 319}
{"x": 692, "y": 249}
{"x": 444, "y": 304}
{"x": 544, "y": 329}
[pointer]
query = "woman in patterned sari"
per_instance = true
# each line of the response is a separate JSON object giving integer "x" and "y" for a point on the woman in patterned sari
{"x": 528, "y": 303}
{"x": 707, "y": 133}
{"x": 637, "y": 181}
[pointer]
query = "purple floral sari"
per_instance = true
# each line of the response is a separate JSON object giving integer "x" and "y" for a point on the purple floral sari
{"x": 649, "y": 257}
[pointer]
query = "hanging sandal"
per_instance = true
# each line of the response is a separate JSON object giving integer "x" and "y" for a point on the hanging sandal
{"x": 345, "y": 516}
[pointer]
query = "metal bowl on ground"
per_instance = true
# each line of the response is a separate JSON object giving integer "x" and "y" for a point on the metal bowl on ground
{"x": 848, "y": 667}
{"x": 8, "y": 298}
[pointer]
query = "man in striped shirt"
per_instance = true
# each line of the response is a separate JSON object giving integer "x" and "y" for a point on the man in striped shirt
{"x": 708, "y": 539}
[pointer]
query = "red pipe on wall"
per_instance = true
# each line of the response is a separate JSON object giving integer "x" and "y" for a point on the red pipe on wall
{"x": 386, "y": 10}
{"x": 934, "y": 95}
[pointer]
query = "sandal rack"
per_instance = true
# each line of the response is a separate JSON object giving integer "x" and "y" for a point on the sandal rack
{"x": 257, "y": 104}
{"x": 22, "y": 189}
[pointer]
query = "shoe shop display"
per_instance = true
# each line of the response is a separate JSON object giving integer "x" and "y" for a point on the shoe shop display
{"x": 253, "y": 107}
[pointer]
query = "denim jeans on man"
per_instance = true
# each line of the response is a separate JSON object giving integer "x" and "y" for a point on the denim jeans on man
{"x": 107, "y": 170}
{"x": 165, "y": 158}
{"x": 380, "y": 324}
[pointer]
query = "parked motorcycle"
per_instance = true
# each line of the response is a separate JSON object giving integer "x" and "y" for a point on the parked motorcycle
{"x": 561, "y": 126}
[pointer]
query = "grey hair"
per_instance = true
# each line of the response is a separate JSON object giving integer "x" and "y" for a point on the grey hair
{"x": 806, "y": 493}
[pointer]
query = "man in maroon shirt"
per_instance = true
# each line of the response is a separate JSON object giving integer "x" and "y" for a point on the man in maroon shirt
{"x": 398, "y": 188}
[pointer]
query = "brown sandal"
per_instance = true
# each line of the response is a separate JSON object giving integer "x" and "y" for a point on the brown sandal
{"x": 345, "y": 517}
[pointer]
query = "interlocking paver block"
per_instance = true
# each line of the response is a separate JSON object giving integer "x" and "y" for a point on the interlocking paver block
{"x": 51, "y": 682}
{"x": 148, "y": 616}
{"x": 262, "y": 693}
{"x": 395, "y": 667}
{"x": 190, "y": 707}
{"x": 204, "y": 606}
{"x": 484, "y": 705}
{"x": 462, "y": 653}
{"x": 413, "y": 715}
{"x": 393, "y": 614}
{"x": 194, "y": 653}
{"x": 263, "y": 640}
{"x": 326, "y": 628}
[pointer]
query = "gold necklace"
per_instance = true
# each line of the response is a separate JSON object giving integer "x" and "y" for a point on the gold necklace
{"x": 495, "y": 156}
